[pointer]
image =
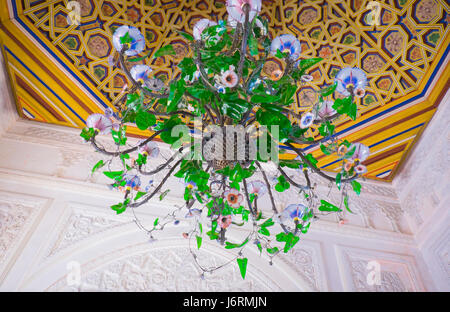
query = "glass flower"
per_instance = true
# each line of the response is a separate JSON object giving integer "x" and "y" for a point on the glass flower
{"x": 361, "y": 152}
{"x": 348, "y": 166}
{"x": 235, "y": 9}
{"x": 360, "y": 169}
{"x": 220, "y": 88}
{"x": 233, "y": 197}
{"x": 137, "y": 44}
{"x": 350, "y": 77}
{"x": 326, "y": 109}
{"x": 360, "y": 92}
{"x": 132, "y": 181}
{"x": 224, "y": 221}
{"x": 99, "y": 122}
{"x": 140, "y": 73}
{"x": 286, "y": 43}
{"x": 276, "y": 75}
{"x": 200, "y": 26}
{"x": 193, "y": 213}
{"x": 257, "y": 187}
{"x": 294, "y": 212}
{"x": 307, "y": 120}
{"x": 149, "y": 149}
{"x": 229, "y": 78}
{"x": 191, "y": 185}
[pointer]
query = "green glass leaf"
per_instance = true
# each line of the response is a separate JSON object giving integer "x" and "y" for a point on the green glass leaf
{"x": 328, "y": 90}
{"x": 346, "y": 204}
{"x": 145, "y": 120}
{"x": 98, "y": 165}
{"x": 139, "y": 195}
{"x": 166, "y": 50}
{"x": 264, "y": 231}
{"x": 200, "y": 227}
{"x": 126, "y": 38}
{"x": 113, "y": 174}
{"x": 324, "y": 149}
{"x": 87, "y": 133}
{"x": 338, "y": 180}
{"x": 242, "y": 262}
{"x": 138, "y": 59}
{"x": 185, "y": 35}
{"x": 272, "y": 250}
{"x": 356, "y": 187}
{"x": 312, "y": 160}
{"x": 163, "y": 194}
{"x": 199, "y": 241}
{"x": 156, "y": 222}
{"x": 346, "y": 106}
{"x": 326, "y": 206}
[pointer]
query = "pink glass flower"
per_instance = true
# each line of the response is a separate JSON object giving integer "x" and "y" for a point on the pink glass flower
{"x": 286, "y": 43}
{"x": 360, "y": 92}
{"x": 326, "y": 109}
{"x": 360, "y": 169}
{"x": 257, "y": 187}
{"x": 361, "y": 152}
{"x": 224, "y": 221}
{"x": 150, "y": 149}
{"x": 235, "y": 9}
{"x": 99, "y": 122}
{"x": 233, "y": 197}
{"x": 200, "y": 26}
{"x": 229, "y": 78}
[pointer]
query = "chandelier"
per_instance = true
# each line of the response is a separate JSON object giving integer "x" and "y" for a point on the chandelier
{"x": 224, "y": 117}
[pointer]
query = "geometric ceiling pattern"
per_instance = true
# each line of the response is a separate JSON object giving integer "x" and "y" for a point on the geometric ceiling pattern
{"x": 60, "y": 73}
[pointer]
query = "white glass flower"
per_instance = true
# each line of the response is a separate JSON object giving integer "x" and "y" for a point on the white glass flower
{"x": 235, "y": 9}
{"x": 137, "y": 44}
{"x": 326, "y": 109}
{"x": 140, "y": 73}
{"x": 350, "y": 77}
{"x": 200, "y": 26}
{"x": 151, "y": 149}
{"x": 286, "y": 43}
{"x": 99, "y": 122}
{"x": 258, "y": 188}
{"x": 307, "y": 120}
{"x": 361, "y": 152}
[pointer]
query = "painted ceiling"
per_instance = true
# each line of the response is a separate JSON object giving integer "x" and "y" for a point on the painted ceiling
{"x": 60, "y": 73}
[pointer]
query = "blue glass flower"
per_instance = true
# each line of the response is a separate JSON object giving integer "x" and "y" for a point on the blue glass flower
{"x": 137, "y": 44}
{"x": 286, "y": 43}
{"x": 350, "y": 77}
{"x": 132, "y": 181}
{"x": 140, "y": 73}
{"x": 294, "y": 212}
{"x": 307, "y": 120}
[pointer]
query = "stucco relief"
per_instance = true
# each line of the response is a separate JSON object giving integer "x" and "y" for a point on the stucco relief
{"x": 163, "y": 269}
{"x": 17, "y": 215}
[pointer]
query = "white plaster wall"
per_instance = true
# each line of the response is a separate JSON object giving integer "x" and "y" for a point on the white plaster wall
{"x": 423, "y": 186}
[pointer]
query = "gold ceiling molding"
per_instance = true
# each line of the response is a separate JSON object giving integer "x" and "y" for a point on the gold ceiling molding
{"x": 60, "y": 73}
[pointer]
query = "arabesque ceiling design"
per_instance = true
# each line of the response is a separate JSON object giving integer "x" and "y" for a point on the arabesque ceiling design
{"x": 60, "y": 72}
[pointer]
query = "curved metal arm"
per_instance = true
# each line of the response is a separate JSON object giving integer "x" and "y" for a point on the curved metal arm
{"x": 115, "y": 154}
{"x": 317, "y": 170}
{"x": 156, "y": 190}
